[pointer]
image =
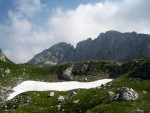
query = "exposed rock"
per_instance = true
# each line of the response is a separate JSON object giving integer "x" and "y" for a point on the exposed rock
{"x": 125, "y": 94}
{"x": 61, "y": 99}
{"x": 51, "y": 94}
{"x": 76, "y": 101}
{"x": 67, "y": 74}
{"x": 58, "y": 53}
{"x": 2, "y": 56}
{"x": 58, "y": 107}
{"x": 84, "y": 68}
{"x": 7, "y": 71}
{"x": 18, "y": 101}
{"x": 111, "y": 45}
{"x": 111, "y": 93}
{"x": 145, "y": 92}
{"x": 83, "y": 50}
{"x": 72, "y": 94}
{"x": 140, "y": 111}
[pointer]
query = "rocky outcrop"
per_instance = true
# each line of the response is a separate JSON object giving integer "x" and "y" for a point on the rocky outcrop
{"x": 67, "y": 74}
{"x": 17, "y": 102}
{"x": 111, "y": 45}
{"x": 2, "y": 56}
{"x": 88, "y": 71}
{"x": 125, "y": 94}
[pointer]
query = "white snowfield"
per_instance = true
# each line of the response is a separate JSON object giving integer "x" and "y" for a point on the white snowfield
{"x": 55, "y": 86}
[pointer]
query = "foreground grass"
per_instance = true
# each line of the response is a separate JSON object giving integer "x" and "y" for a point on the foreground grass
{"x": 97, "y": 100}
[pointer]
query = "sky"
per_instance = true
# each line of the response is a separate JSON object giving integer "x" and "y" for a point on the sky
{"x": 27, "y": 27}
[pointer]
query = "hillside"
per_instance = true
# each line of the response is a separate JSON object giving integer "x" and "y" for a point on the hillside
{"x": 133, "y": 74}
{"x": 111, "y": 45}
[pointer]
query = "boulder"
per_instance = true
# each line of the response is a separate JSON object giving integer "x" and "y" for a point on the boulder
{"x": 7, "y": 71}
{"x": 125, "y": 94}
{"x": 51, "y": 94}
{"x": 61, "y": 99}
{"x": 67, "y": 74}
{"x": 76, "y": 101}
{"x": 145, "y": 92}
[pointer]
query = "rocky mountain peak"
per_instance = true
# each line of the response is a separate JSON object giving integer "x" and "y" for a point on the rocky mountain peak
{"x": 111, "y": 45}
{"x": 58, "y": 53}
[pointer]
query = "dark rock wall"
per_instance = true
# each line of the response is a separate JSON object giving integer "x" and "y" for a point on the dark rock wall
{"x": 111, "y": 45}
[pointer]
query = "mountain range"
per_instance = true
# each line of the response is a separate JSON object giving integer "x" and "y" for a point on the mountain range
{"x": 111, "y": 45}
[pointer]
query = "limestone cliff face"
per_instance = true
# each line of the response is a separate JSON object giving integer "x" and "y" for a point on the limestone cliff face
{"x": 114, "y": 45}
{"x": 111, "y": 45}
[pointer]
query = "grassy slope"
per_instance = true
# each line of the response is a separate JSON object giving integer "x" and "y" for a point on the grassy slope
{"x": 91, "y": 101}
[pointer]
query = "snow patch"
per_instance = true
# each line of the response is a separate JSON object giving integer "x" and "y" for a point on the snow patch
{"x": 56, "y": 86}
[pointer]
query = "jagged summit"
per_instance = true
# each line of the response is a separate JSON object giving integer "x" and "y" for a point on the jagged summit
{"x": 111, "y": 45}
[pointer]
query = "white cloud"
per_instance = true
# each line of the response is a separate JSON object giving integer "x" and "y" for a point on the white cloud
{"x": 29, "y": 7}
{"x": 23, "y": 38}
{"x": 89, "y": 20}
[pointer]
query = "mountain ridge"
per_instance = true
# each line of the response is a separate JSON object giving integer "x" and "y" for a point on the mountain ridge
{"x": 111, "y": 45}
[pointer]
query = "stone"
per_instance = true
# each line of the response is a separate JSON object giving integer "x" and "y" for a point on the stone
{"x": 67, "y": 74}
{"x": 125, "y": 94}
{"x": 84, "y": 68}
{"x": 58, "y": 107}
{"x": 140, "y": 111}
{"x": 76, "y": 101}
{"x": 7, "y": 71}
{"x": 61, "y": 99}
{"x": 145, "y": 92}
{"x": 51, "y": 94}
{"x": 111, "y": 93}
{"x": 72, "y": 94}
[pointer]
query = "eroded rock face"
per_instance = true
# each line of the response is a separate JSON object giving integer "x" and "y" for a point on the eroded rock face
{"x": 125, "y": 94}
